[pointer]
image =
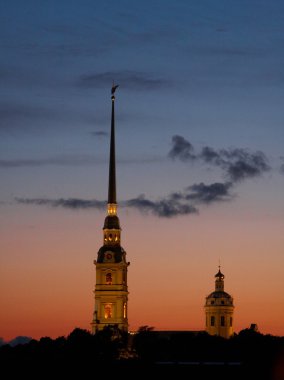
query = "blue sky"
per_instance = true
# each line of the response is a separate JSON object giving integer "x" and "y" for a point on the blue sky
{"x": 212, "y": 73}
{"x": 194, "y": 77}
{"x": 188, "y": 68}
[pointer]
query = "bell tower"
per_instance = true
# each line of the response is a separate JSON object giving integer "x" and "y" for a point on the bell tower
{"x": 111, "y": 291}
{"x": 219, "y": 309}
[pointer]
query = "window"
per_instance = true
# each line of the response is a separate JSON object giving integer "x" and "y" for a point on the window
{"x": 222, "y": 320}
{"x": 222, "y": 302}
{"x": 124, "y": 310}
{"x": 212, "y": 321}
{"x": 109, "y": 278}
{"x": 231, "y": 321}
{"x": 212, "y": 302}
{"x": 108, "y": 310}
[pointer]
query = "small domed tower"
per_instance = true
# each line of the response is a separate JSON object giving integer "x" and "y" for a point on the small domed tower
{"x": 219, "y": 309}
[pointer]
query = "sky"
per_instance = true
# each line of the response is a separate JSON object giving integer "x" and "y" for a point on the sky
{"x": 200, "y": 159}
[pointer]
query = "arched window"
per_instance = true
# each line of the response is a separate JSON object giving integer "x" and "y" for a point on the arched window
{"x": 109, "y": 278}
{"x": 108, "y": 310}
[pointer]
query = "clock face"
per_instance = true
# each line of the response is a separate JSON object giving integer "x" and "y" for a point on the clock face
{"x": 108, "y": 256}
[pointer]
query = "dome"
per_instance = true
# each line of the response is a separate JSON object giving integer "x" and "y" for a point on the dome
{"x": 219, "y": 294}
{"x": 219, "y": 299}
{"x": 111, "y": 222}
{"x": 119, "y": 253}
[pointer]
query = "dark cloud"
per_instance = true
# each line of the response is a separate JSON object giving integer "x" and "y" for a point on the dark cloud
{"x": 253, "y": 165}
{"x": 218, "y": 191}
{"x": 183, "y": 202}
{"x": 167, "y": 207}
{"x": 240, "y": 164}
{"x": 177, "y": 203}
{"x": 210, "y": 155}
{"x": 99, "y": 133}
{"x": 181, "y": 149}
{"x": 126, "y": 79}
{"x": 74, "y": 160}
{"x": 70, "y": 203}
{"x": 237, "y": 164}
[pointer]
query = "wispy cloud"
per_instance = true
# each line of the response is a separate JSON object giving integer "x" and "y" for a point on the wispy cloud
{"x": 68, "y": 160}
{"x": 70, "y": 203}
{"x": 128, "y": 79}
{"x": 167, "y": 207}
{"x": 238, "y": 164}
{"x": 74, "y": 160}
{"x": 215, "y": 192}
{"x": 183, "y": 202}
{"x": 181, "y": 149}
{"x": 178, "y": 203}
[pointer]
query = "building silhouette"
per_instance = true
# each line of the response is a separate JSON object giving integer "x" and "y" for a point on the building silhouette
{"x": 111, "y": 291}
{"x": 219, "y": 310}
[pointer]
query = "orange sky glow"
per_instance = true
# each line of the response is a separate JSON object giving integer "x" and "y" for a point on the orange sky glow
{"x": 49, "y": 274}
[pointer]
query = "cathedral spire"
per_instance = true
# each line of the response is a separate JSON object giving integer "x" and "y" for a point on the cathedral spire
{"x": 111, "y": 290}
{"x": 112, "y": 205}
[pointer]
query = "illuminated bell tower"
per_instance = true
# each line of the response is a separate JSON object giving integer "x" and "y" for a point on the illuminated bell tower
{"x": 219, "y": 310}
{"x": 111, "y": 291}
